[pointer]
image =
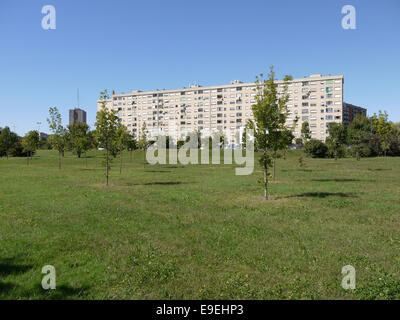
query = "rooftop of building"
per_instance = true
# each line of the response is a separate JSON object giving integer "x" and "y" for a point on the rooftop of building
{"x": 312, "y": 77}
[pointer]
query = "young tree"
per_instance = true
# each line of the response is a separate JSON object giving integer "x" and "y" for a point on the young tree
{"x": 359, "y": 134}
{"x": 384, "y": 129}
{"x": 7, "y": 140}
{"x": 143, "y": 142}
{"x": 305, "y": 132}
{"x": 336, "y": 141}
{"x": 79, "y": 138}
{"x": 270, "y": 113}
{"x": 30, "y": 143}
{"x": 59, "y": 138}
{"x": 106, "y": 130}
{"x": 131, "y": 145}
{"x": 123, "y": 137}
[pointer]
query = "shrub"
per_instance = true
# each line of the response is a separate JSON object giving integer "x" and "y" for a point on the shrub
{"x": 334, "y": 149}
{"x": 315, "y": 148}
{"x": 17, "y": 150}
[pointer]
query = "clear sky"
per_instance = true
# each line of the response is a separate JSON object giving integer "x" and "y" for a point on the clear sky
{"x": 126, "y": 45}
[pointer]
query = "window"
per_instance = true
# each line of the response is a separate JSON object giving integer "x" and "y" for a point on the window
{"x": 304, "y": 111}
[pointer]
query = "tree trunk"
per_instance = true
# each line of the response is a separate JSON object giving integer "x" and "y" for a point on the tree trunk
{"x": 265, "y": 182}
{"x": 273, "y": 176}
{"x": 358, "y": 155}
{"x": 120, "y": 164}
{"x": 107, "y": 167}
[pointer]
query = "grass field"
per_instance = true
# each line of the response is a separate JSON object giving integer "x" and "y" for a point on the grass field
{"x": 199, "y": 231}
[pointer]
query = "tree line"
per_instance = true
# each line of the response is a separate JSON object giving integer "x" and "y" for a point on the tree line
{"x": 363, "y": 137}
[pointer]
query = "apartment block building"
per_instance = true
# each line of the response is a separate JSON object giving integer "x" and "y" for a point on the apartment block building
{"x": 177, "y": 112}
{"x": 350, "y": 111}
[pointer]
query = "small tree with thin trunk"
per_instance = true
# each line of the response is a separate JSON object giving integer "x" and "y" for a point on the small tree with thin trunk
{"x": 337, "y": 139}
{"x": 30, "y": 143}
{"x": 106, "y": 130}
{"x": 143, "y": 142}
{"x": 79, "y": 138}
{"x": 131, "y": 145}
{"x": 122, "y": 142}
{"x": 270, "y": 113}
{"x": 305, "y": 132}
{"x": 59, "y": 138}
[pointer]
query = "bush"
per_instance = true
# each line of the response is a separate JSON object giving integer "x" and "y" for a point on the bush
{"x": 394, "y": 149}
{"x": 335, "y": 150}
{"x": 315, "y": 148}
{"x": 18, "y": 150}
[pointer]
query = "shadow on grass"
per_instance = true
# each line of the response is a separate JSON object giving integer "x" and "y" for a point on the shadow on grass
{"x": 320, "y": 195}
{"x": 158, "y": 171}
{"x": 8, "y": 266}
{"x": 61, "y": 292}
{"x": 172, "y": 167}
{"x": 5, "y": 287}
{"x": 162, "y": 183}
{"x": 336, "y": 180}
{"x": 379, "y": 169}
{"x": 304, "y": 170}
{"x": 157, "y": 183}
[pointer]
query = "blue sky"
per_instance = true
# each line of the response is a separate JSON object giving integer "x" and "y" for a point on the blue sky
{"x": 125, "y": 45}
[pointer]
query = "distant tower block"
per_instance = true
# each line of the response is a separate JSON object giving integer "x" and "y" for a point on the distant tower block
{"x": 77, "y": 115}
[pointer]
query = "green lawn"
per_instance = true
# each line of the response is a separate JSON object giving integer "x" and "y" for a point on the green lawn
{"x": 199, "y": 231}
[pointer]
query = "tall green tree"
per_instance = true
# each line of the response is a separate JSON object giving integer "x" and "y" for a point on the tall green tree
{"x": 270, "y": 113}
{"x": 79, "y": 138}
{"x": 59, "y": 138}
{"x": 30, "y": 142}
{"x": 336, "y": 141}
{"x": 106, "y": 130}
{"x": 384, "y": 129}
{"x": 7, "y": 140}
{"x": 359, "y": 135}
